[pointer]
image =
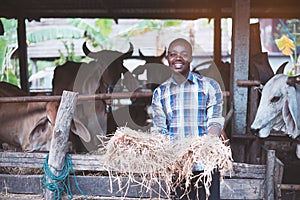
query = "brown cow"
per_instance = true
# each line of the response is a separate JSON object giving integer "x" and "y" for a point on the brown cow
{"x": 102, "y": 75}
{"x": 29, "y": 125}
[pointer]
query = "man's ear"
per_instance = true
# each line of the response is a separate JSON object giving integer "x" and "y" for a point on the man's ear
{"x": 289, "y": 113}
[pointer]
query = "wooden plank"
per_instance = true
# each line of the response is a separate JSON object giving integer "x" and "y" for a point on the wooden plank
{"x": 242, "y": 189}
{"x": 36, "y": 160}
{"x": 90, "y": 185}
{"x": 244, "y": 170}
{"x": 87, "y": 162}
{"x": 30, "y": 184}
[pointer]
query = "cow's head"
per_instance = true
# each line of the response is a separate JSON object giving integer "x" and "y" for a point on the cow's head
{"x": 278, "y": 108}
{"x": 107, "y": 68}
{"x": 153, "y": 59}
{"x": 39, "y": 139}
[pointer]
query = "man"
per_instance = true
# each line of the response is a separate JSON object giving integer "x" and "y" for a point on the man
{"x": 188, "y": 104}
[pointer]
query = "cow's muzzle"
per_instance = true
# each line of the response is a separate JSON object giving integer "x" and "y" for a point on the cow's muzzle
{"x": 254, "y": 131}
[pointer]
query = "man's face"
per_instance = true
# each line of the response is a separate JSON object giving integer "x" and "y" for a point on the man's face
{"x": 180, "y": 57}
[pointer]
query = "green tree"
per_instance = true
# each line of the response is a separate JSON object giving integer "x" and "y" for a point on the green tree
{"x": 8, "y": 44}
{"x": 147, "y": 25}
{"x": 98, "y": 33}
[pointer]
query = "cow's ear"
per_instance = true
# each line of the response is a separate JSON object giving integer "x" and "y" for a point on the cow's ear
{"x": 39, "y": 130}
{"x": 78, "y": 128}
{"x": 51, "y": 110}
{"x": 290, "y": 113}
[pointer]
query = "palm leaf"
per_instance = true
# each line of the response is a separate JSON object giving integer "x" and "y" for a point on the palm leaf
{"x": 90, "y": 31}
{"x": 3, "y": 46}
{"x": 147, "y": 25}
{"x": 52, "y": 33}
{"x": 105, "y": 26}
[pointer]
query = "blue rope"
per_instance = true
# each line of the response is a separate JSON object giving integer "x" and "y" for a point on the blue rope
{"x": 57, "y": 184}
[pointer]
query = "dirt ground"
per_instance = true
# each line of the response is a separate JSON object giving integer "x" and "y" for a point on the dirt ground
{"x": 38, "y": 197}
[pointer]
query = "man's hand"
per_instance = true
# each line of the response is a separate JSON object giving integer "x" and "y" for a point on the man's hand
{"x": 214, "y": 130}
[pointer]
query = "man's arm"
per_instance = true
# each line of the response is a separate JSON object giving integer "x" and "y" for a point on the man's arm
{"x": 214, "y": 110}
{"x": 159, "y": 117}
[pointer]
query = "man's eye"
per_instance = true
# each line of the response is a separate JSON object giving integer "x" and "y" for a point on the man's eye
{"x": 173, "y": 55}
{"x": 184, "y": 55}
{"x": 275, "y": 99}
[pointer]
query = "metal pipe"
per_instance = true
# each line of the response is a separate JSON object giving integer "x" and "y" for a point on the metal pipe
{"x": 247, "y": 83}
{"x": 124, "y": 95}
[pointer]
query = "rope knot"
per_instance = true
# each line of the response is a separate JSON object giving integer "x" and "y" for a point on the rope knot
{"x": 58, "y": 183}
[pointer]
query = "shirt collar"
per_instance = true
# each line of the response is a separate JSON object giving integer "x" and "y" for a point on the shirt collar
{"x": 191, "y": 78}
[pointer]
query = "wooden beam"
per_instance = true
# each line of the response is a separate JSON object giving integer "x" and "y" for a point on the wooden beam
{"x": 89, "y": 162}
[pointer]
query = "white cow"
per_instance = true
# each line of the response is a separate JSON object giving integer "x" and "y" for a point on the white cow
{"x": 279, "y": 108}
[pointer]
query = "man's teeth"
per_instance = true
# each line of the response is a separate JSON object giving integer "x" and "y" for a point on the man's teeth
{"x": 178, "y": 65}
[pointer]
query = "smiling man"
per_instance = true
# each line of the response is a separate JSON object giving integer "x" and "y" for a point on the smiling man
{"x": 188, "y": 104}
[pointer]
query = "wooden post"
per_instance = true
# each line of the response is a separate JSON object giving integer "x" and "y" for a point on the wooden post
{"x": 59, "y": 142}
{"x": 279, "y": 168}
{"x": 22, "y": 50}
{"x": 270, "y": 173}
{"x": 217, "y": 41}
{"x": 239, "y": 70}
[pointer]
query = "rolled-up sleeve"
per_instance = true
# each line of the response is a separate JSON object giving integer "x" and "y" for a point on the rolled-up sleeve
{"x": 215, "y": 105}
{"x": 159, "y": 116}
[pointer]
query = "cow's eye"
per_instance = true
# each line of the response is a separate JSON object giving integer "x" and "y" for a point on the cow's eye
{"x": 275, "y": 99}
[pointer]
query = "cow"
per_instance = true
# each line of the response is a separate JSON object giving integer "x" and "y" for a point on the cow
{"x": 155, "y": 69}
{"x": 29, "y": 125}
{"x": 279, "y": 108}
{"x": 102, "y": 75}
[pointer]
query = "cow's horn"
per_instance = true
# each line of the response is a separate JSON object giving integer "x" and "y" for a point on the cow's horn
{"x": 280, "y": 70}
{"x": 87, "y": 52}
{"x": 141, "y": 54}
{"x": 130, "y": 50}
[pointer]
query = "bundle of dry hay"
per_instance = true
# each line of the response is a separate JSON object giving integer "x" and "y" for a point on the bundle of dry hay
{"x": 207, "y": 150}
{"x": 156, "y": 160}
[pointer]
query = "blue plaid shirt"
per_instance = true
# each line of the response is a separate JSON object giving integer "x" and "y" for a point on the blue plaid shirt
{"x": 189, "y": 108}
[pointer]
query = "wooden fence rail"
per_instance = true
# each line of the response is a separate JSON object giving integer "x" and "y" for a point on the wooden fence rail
{"x": 246, "y": 181}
